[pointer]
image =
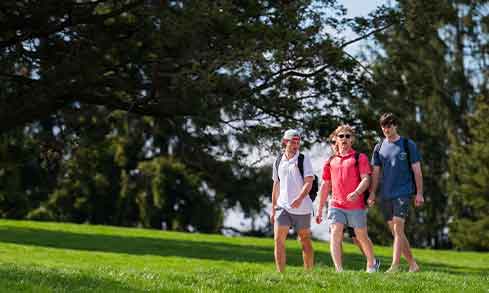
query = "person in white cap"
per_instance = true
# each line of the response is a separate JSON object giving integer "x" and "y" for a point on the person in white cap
{"x": 291, "y": 204}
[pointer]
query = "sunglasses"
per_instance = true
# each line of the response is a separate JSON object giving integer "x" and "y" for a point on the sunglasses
{"x": 344, "y": 135}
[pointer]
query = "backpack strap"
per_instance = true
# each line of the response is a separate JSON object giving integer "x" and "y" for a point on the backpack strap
{"x": 357, "y": 157}
{"x": 357, "y": 166}
{"x": 378, "y": 146}
{"x": 277, "y": 164}
{"x": 300, "y": 164}
{"x": 405, "y": 142}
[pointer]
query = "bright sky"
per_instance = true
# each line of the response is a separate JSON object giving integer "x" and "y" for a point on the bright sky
{"x": 361, "y": 7}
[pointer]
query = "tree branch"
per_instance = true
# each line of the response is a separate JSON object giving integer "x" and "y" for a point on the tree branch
{"x": 346, "y": 44}
{"x": 68, "y": 24}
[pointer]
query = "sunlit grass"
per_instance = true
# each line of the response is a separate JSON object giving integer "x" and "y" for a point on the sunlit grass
{"x": 47, "y": 257}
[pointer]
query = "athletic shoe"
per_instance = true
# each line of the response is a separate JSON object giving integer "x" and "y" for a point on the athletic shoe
{"x": 394, "y": 269}
{"x": 414, "y": 270}
{"x": 375, "y": 267}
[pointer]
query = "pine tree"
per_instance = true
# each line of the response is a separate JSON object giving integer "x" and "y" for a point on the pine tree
{"x": 469, "y": 184}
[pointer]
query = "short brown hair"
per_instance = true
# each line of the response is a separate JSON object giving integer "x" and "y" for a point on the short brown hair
{"x": 388, "y": 119}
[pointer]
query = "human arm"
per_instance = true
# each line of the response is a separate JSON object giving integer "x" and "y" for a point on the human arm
{"x": 364, "y": 170}
{"x": 415, "y": 161}
{"x": 275, "y": 194}
{"x": 418, "y": 179}
{"x": 361, "y": 188}
{"x": 308, "y": 179}
{"x": 376, "y": 165}
{"x": 303, "y": 193}
{"x": 374, "y": 185}
{"x": 323, "y": 199}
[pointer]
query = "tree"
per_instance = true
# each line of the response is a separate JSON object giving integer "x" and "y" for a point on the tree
{"x": 469, "y": 187}
{"x": 250, "y": 61}
{"x": 218, "y": 78}
{"x": 176, "y": 198}
{"x": 27, "y": 158}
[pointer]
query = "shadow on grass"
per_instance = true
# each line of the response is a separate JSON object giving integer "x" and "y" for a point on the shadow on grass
{"x": 191, "y": 249}
{"x": 144, "y": 245}
{"x": 15, "y": 278}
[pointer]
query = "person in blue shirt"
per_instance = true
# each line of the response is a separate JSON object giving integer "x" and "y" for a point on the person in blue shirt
{"x": 397, "y": 165}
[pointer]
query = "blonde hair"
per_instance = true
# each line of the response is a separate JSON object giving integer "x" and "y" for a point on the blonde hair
{"x": 341, "y": 128}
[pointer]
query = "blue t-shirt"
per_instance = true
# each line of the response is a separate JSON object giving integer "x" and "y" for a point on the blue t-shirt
{"x": 396, "y": 179}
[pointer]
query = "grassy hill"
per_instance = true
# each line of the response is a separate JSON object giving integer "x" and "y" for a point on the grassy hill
{"x": 46, "y": 257}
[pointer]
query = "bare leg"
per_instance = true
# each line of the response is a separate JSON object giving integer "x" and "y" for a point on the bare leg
{"x": 357, "y": 243}
{"x": 366, "y": 245}
{"x": 307, "y": 250}
{"x": 335, "y": 245}
{"x": 401, "y": 244}
{"x": 280, "y": 235}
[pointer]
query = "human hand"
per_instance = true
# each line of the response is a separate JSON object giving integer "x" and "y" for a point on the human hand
{"x": 352, "y": 196}
{"x": 319, "y": 218}
{"x": 296, "y": 202}
{"x": 371, "y": 199}
{"x": 418, "y": 200}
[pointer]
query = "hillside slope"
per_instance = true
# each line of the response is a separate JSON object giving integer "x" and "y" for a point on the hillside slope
{"x": 46, "y": 257}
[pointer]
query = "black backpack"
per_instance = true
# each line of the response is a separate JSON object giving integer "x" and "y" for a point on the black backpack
{"x": 315, "y": 182}
{"x": 405, "y": 143}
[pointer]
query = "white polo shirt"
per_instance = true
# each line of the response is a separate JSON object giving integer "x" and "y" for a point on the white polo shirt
{"x": 291, "y": 183}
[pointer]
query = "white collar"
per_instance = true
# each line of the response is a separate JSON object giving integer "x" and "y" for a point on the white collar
{"x": 294, "y": 158}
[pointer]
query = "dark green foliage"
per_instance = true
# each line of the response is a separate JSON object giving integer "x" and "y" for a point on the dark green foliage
{"x": 469, "y": 184}
{"x": 470, "y": 235}
{"x": 24, "y": 173}
{"x": 209, "y": 81}
{"x": 170, "y": 195}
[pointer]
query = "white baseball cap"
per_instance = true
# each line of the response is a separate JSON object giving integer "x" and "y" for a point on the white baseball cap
{"x": 291, "y": 133}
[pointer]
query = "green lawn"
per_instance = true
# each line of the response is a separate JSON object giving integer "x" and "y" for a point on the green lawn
{"x": 49, "y": 257}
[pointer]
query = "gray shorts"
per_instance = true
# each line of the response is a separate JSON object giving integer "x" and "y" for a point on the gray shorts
{"x": 351, "y": 218}
{"x": 298, "y": 222}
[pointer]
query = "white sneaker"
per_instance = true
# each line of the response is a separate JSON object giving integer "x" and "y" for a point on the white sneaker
{"x": 393, "y": 269}
{"x": 375, "y": 268}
